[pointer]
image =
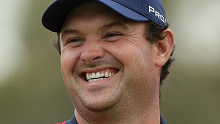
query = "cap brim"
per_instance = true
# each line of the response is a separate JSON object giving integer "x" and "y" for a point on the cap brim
{"x": 56, "y": 13}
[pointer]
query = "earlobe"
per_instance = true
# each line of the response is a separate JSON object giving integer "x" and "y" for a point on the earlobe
{"x": 164, "y": 48}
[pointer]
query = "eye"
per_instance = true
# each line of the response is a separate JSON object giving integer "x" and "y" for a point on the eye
{"x": 112, "y": 34}
{"x": 77, "y": 39}
{"x": 74, "y": 42}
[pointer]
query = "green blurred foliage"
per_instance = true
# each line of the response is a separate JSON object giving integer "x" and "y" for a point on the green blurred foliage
{"x": 191, "y": 95}
{"x": 36, "y": 92}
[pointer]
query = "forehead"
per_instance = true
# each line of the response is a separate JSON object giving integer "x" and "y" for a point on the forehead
{"x": 89, "y": 8}
{"x": 92, "y": 11}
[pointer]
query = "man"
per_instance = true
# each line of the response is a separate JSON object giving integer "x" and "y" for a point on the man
{"x": 114, "y": 56}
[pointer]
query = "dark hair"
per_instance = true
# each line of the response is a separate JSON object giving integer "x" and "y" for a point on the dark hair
{"x": 153, "y": 35}
{"x": 57, "y": 44}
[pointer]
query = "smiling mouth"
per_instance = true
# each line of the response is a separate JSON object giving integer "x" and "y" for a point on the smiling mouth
{"x": 99, "y": 75}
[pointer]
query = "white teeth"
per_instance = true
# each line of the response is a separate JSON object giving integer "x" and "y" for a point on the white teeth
{"x": 102, "y": 74}
{"x": 98, "y": 76}
{"x": 106, "y": 74}
{"x": 87, "y": 76}
{"x": 95, "y": 79}
{"x": 93, "y": 75}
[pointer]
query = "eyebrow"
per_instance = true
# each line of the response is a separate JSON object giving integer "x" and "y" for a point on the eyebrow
{"x": 69, "y": 31}
{"x": 110, "y": 25}
{"x": 115, "y": 24}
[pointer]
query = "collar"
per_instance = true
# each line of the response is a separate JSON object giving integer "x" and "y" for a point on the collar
{"x": 74, "y": 121}
{"x": 162, "y": 121}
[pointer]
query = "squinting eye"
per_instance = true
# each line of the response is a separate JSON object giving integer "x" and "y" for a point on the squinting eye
{"x": 74, "y": 40}
{"x": 112, "y": 34}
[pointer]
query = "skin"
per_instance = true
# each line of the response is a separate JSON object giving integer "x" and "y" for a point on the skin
{"x": 95, "y": 38}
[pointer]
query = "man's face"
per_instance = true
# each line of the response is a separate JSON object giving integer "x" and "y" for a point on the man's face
{"x": 106, "y": 60}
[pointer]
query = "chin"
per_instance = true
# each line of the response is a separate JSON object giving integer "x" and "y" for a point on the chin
{"x": 101, "y": 103}
{"x": 98, "y": 106}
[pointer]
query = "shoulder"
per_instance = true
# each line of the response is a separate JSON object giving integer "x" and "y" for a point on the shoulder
{"x": 61, "y": 123}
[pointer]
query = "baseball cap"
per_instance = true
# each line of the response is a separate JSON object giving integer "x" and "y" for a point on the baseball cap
{"x": 138, "y": 10}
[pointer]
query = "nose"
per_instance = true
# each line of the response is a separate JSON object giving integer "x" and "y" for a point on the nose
{"x": 92, "y": 52}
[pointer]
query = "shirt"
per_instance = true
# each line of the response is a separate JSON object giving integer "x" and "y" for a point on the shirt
{"x": 74, "y": 121}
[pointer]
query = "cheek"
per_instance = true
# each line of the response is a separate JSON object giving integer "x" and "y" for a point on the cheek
{"x": 69, "y": 58}
{"x": 136, "y": 57}
{"x": 133, "y": 55}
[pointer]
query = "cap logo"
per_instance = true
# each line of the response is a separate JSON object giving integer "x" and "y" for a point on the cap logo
{"x": 157, "y": 14}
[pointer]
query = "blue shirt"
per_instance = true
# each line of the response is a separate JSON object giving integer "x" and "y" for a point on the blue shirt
{"x": 73, "y": 120}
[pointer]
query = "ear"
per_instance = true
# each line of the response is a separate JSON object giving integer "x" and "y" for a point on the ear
{"x": 164, "y": 48}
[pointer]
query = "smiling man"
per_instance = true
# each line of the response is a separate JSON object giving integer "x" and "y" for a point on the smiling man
{"x": 114, "y": 56}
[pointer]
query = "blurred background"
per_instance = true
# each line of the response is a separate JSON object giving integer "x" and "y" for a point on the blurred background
{"x": 31, "y": 86}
